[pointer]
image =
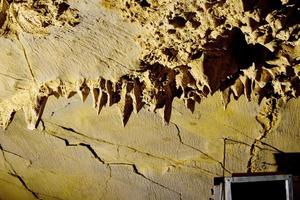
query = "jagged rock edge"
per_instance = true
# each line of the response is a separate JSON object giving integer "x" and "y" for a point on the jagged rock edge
{"x": 155, "y": 87}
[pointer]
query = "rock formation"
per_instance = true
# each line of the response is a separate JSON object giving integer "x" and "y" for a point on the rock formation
{"x": 233, "y": 63}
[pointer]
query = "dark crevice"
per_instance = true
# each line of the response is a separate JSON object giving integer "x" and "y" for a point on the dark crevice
{"x": 24, "y": 184}
{"x": 195, "y": 54}
{"x": 265, "y": 6}
{"x": 191, "y": 17}
{"x": 172, "y": 31}
{"x": 87, "y": 146}
{"x": 178, "y": 21}
{"x": 225, "y": 57}
{"x": 245, "y": 53}
{"x": 68, "y": 129}
{"x": 170, "y": 52}
{"x": 16, "y": 175}
{"x": 62, "y": 7}
{"x": 143, "y": 3}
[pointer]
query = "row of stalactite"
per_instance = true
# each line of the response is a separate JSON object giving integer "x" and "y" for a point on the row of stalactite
{"x": 156, "y": 87}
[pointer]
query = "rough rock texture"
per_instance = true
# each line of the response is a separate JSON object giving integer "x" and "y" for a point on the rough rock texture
{"x": 234, "y": 63}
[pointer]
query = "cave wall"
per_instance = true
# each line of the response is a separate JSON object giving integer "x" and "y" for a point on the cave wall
{"x": 76, "y": 154}
{"x": 144, "y": 99}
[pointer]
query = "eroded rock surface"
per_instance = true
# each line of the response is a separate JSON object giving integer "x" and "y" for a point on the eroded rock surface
{"x": 34, "y": 16}
{"x": 188, "y": 50}
{"x": 131, "y": 59}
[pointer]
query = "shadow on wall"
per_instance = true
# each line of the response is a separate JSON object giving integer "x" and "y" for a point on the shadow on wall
{"x": 289, "y": 163}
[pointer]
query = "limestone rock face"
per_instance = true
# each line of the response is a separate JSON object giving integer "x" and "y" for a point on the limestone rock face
{"x": 144, "y": 99}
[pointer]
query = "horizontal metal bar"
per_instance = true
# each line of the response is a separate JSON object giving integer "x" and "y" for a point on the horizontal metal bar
{"x": 257, "y": 178}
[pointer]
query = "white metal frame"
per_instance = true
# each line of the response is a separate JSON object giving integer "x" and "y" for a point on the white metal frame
{"x": 219, "y": 193}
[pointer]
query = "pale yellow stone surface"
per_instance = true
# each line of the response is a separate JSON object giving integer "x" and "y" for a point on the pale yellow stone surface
{"x": 96, "y": 96}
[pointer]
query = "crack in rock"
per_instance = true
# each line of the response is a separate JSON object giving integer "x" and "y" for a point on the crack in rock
{"x": 259, "y": 146}
{"x": 107, "y": 183}
{"x": 269, "y": 118}
{"x": 136, "y": 171}
{"x": 108, "y": 164}
{"x": 13, "y": 173}
{"x": 15, "y": 154}
{"x": 196, "y": 149}
{"x": 87, "y": 146}
{"x": 107, "y": 142}
{"x": 128, "y": 147}
{"x": 274, "y": 149}
{"x": 111, "y": 143}
{"x": 27, "y": 59}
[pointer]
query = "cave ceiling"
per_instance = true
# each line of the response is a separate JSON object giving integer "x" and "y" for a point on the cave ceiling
{"x": 146, "y": 53}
